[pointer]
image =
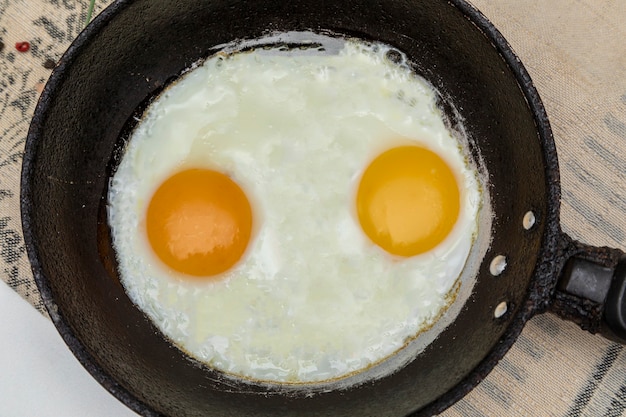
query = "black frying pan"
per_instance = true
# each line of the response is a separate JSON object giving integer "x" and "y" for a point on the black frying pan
{"x": 135, "y": 47}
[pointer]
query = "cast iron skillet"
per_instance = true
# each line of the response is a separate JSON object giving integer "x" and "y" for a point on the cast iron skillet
{"x": 135, "y": 47}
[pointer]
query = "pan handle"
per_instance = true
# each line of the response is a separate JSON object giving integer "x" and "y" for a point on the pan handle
{"x": 591, "y": 289}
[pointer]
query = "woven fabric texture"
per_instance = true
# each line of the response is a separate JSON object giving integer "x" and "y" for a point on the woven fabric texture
{"x": 575, "y": 51}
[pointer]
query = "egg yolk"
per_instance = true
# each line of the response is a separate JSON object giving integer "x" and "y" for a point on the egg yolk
{"x": 199, "y": 222}
{"x": 408, "y": 200}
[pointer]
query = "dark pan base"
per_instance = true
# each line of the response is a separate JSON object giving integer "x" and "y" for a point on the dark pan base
{"x": 132, "y": 50}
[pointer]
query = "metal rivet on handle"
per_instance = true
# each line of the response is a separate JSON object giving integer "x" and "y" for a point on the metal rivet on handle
{"x": 498, "y": 265}
{"x": 500, "y": 310}
{"x": 529, "y": 220}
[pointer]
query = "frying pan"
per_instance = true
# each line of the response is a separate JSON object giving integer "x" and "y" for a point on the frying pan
{"x": 136, "y": 47}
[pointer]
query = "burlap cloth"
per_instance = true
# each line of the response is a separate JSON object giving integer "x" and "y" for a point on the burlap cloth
{"x": 575, "y": 51}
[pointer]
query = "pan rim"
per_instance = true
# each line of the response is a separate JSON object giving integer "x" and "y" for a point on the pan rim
{"x": 67, "y": 334}
{"x": 544, "y": 275}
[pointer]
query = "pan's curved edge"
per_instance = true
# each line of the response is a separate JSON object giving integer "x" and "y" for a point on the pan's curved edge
{"x": 545, "y": 273}
{"x": 26, "y": 207}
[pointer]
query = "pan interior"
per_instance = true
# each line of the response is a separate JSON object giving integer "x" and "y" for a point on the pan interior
{"x": 280, "y": 46}
{"x": 113, "y": 65}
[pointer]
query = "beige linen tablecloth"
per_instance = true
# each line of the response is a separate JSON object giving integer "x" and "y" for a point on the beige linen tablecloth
{"x": 575, "y": 51}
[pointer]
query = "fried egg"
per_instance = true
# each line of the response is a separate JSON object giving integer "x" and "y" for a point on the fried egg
{"x": 294, "y": 218}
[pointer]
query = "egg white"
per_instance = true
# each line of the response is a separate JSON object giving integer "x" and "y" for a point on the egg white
{"x": 312, "y": 299}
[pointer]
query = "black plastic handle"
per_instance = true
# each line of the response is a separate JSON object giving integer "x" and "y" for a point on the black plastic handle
{"x": 591, "y": 290}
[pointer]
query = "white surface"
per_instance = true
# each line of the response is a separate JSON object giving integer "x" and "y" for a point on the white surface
{"x": 39, "y": 376}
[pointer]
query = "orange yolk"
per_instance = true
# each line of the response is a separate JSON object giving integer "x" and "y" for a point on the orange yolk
{"x": 407, "y": 200}
{"x": 199, "y": 222}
